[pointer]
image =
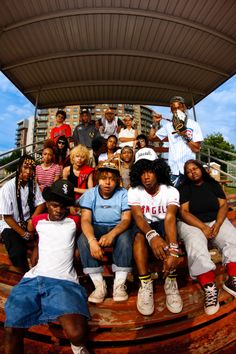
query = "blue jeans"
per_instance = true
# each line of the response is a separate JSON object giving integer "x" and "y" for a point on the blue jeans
{"x": 41, "y": 300}
{"x": 121, "y": 255}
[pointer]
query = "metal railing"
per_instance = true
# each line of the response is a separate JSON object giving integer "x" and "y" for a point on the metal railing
{"x": 23, "y": 150}
{"x": 211, "y": 158}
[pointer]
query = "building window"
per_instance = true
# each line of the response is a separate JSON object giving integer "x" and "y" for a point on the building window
{"x": 67, "y": 109}
{"x": 75, "y": 115}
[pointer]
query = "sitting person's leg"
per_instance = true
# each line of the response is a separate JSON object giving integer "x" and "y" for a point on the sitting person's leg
{"x": 200, "y": 264}
{"x": 22, "y": 310}
{"x": 93, "y": 268}
{"x": 145, "y": 302}
{"x": 76, "y": 329}
{"x": 14, "y": 340}
{"x": 226, "y": 242}
{"x": 122, "y": 264}
{"x": 174, "y": 301}
{"x": 16, "y": 247}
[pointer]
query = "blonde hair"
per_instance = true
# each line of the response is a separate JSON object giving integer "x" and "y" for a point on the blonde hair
{"x": 80, "y": 150}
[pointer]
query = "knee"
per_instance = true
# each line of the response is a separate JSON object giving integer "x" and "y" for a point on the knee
{"x": 77, "y": 335}
{"x": 139, "y": 240}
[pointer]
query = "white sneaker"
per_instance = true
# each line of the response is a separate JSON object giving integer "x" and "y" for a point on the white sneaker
{"x": 145, "y": 302}
{"x": 211, "y": 302}
{"x": 79, "y": 350}
{"x": 119, "y": 291}
{"x": 99, "y": 294}
{"x": 174, "y": 302}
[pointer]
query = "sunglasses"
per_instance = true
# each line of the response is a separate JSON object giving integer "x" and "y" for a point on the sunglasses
{"x": 61, "y": 142}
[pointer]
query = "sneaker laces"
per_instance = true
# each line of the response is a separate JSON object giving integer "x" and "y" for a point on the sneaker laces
{"x": 233, "y": 280}
{"x": 171, "y": 289}
{"x": 211, "y": 295}
{"x": 146, "y": 292}
{"x": 120, "y": 288}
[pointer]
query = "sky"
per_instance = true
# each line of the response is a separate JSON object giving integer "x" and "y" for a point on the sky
{"x": 215, "y": 114}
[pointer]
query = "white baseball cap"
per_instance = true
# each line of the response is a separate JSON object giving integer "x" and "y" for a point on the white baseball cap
{"x": 145, "y": 153}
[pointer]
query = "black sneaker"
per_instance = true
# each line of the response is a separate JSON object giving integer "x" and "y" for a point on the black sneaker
{"x": 211, "y": 303}
{"x": 230, "y": 285}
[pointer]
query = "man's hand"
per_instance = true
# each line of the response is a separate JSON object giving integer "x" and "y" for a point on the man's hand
{"x": 207, "y": 231}
{"x": 215, "y": 229}
{"x": 157, "y": 245}
{"x": 106, "y": 240}
{"x": 169, "y": 264}
{"x": 156, "y": 118}
{"x": 95, "y": 250}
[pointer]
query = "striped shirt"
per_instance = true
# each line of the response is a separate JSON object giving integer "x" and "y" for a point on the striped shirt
{"x": 179, "y": 151}
{"x": 46, "y": 176}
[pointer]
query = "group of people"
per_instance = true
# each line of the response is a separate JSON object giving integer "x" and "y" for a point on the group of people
{"x": 157, "y": 204}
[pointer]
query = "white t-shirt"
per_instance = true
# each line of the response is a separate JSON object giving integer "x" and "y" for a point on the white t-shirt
{"x": 179, "y": 151}
{"x": 154, "y": 207}
{"x": 126, "y": 133}
{"x": 56, "y": 248}
{"x": 109, "y": 128}
{"x": 8, "y": 202}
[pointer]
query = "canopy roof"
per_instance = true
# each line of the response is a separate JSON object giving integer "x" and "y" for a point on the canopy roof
{"x": 117, "y": 51}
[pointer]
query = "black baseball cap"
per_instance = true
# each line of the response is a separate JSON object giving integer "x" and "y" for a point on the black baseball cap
{"x": 61, "y": 191}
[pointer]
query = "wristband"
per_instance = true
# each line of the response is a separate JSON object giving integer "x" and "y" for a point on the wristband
{"x": 173, "y": 245}
{"x": 26, "y": 236}
{"x": 173, "y": 255}
{"x": 151, "y": 234}
{"x": 186, "y": 138}
{"x": 91, "y": 239}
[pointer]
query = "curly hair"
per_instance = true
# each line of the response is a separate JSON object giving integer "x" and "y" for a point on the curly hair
{"x": 80, "y": 150}
{"x": 159, "y": 167}
{"x": 205, "y": 175}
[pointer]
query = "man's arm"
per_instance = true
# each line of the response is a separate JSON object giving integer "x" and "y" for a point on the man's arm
{"x": 157, "y": 244}
{"x": 87, "y": 229}
{"x": 107, "y": 239}
{"x": 170, "y": 224}
{"x": 14, "y": 225}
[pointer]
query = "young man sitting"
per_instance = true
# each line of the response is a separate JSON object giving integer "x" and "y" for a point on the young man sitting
{"x": 154, "y": 204}
{"x": 50, "y": 290}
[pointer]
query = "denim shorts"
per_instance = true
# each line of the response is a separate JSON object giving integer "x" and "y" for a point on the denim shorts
{"x": 41, "y": 300}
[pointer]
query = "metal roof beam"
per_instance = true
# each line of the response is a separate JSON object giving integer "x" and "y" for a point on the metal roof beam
{"x": 117, "y": 52}
{"x": 119, "y": 11}
{"x": 124, "y": 83}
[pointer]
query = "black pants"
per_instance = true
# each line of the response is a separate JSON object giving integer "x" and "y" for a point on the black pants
{"x": 16, "y": 247}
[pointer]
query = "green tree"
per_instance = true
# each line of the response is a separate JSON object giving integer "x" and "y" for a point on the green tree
{"x": 217, "y": 140}
{"x": 14, "y": 155}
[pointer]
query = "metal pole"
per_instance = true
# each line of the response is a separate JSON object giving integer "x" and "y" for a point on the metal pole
{"x": 193, "y": 106}
{"x": 35, "y": 116}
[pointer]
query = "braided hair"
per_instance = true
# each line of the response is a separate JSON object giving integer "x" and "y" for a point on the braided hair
{"x": 158, "y": 166}
{"x": 31, "y": 185}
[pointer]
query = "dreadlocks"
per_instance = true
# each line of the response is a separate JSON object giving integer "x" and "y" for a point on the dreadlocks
{"x": 159, "y": 167}
{"x": 31, "y": 185}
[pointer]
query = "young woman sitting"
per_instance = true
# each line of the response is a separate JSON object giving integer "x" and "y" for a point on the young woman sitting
{"x": 203, "y": 213}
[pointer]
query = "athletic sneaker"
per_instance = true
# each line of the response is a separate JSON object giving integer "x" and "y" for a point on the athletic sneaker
{"x": 230, "y": 285}
{"x": 211, "y": 302}
{"x": 119, "y": 291}
{"x": 174, "y": 302}
{"x": 99, "y": 294}
{"x": 145, "y": 302}
{"x": 79, "y": 350}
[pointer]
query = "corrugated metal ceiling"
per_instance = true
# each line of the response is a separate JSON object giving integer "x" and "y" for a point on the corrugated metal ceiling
{"x": 62, "y": 52}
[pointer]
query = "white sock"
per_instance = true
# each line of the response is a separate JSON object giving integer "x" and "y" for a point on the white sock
{"x": 120, "y": 276}
{"x": 96, "y": 278}
{"x": 79, "y": 350}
